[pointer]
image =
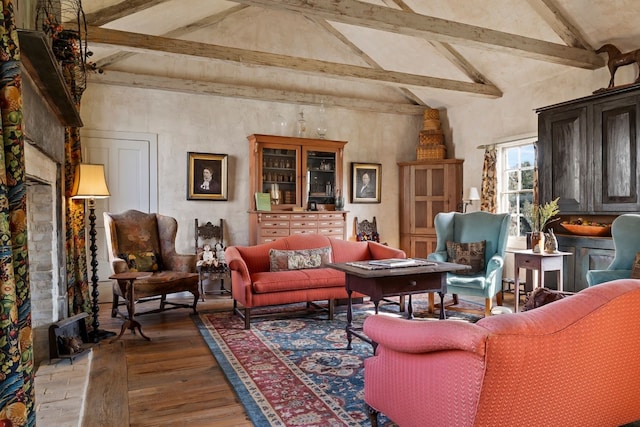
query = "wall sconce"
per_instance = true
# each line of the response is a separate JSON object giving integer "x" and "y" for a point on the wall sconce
{"x": 471, "y": 197}
{"x": 90, "y": 183}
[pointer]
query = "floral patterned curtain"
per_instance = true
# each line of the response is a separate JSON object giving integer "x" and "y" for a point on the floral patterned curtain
{"x": 16, "y": 343}
{"x": 78, "y": 292}
{"x": 488, "y": 202}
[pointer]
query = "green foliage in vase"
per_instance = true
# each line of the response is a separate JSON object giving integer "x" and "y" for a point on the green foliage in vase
{"x": 539, "y": 216}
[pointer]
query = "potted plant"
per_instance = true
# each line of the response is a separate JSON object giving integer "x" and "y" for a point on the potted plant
{"x": 538, "y": 217}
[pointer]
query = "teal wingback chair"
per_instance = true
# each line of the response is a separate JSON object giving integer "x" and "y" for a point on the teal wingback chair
{"x": 468, "y": 228}
{"x": 625, "y": 231}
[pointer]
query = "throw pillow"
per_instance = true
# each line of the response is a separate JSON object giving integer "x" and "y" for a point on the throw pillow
{"x": 282, "y": 260}
{"x": 635, "y": 269}
{"x": 471, "y": 254}
{"x": 142, "y": 261}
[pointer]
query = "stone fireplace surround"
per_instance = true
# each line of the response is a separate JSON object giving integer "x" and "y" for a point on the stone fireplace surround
{"x": 47, "y": 109}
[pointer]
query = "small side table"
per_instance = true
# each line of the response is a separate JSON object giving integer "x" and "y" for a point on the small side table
{"x": 130, "y": 322}
{"x": 542, "y": 262}
{"x": 221, "y": 272}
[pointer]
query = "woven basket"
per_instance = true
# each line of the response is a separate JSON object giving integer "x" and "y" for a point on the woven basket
{"x": 433, "y": 152}
{"x": 431, "y": 138}
{"x": 430, "y": 124}
{"x": 431, "y": 114}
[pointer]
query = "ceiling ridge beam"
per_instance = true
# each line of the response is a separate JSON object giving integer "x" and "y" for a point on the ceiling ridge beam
{"x": 158, "y": 45}
{"x": 435, "y": 29}
{"x": 146, "y": 81}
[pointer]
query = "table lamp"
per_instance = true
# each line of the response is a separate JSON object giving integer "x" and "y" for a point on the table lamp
{"x": 473, "y": 195}
{"x": 90, "y": 183}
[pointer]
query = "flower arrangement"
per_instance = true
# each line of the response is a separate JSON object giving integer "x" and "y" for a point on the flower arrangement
{"x": 539, "y": 216}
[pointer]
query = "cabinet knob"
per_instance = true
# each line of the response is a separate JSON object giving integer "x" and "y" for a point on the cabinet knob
{"x": 412, "y": 283}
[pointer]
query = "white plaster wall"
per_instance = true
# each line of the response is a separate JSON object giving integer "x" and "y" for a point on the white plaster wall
{"x": 210, "y": 124}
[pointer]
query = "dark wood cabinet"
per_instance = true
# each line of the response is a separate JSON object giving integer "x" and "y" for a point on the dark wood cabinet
{"x": 588, "y": 157}
{"x": 588, "y": 153}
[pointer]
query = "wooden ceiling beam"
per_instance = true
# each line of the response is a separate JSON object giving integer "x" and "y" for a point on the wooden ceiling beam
{"x": 178, "y": 32}
{"x": 376, "y": 17}
{"x": 198, "y": 87}
{"x": 163, "y": 45}
{"x": 555, "y": 18}
{"x": 120, "y": 10}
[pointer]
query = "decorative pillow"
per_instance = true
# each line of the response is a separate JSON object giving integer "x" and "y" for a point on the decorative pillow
{"x": 471, "y": 254}
{"x": 299, "y": 259}
{"x": 142, "y": 261}
{"x": 635, "y": 269}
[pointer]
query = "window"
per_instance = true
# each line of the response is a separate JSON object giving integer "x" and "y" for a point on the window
{"x": 516, "y": 163}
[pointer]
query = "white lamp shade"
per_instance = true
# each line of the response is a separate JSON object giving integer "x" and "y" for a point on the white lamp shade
{"x": 474, "y": 194}
{"x": 89, "y": 182}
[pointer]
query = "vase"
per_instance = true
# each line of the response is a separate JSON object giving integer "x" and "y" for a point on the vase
{"x": 537, "y": 242}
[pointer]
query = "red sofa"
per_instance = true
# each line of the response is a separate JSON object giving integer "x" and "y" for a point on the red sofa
{"x": 254, "y": 285}
{"x": 574, "y": 362}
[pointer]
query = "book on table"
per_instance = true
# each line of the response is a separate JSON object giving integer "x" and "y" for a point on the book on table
{"x": 394, "y": 262}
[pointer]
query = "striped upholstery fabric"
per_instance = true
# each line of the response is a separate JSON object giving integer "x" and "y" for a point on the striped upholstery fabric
{"x": 570, "y": 363}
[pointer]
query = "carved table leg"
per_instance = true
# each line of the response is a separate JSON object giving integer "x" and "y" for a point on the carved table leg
{"x": 372, "y": 414}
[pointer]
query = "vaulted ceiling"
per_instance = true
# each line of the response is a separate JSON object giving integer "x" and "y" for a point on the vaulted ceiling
{"x": 377, "y": 55}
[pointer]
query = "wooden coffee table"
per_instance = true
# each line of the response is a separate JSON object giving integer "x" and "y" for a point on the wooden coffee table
{"x": 386, "y": 282}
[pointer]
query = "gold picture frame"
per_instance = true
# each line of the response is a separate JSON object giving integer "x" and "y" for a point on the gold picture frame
{"x": 207, "y": 176}
{"x": 366, "y": 182}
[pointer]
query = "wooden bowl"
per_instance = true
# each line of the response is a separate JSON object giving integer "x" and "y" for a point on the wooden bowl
{"x": 587, "y": 230}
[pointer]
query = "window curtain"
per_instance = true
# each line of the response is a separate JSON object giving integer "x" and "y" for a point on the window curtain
{"x": 488, "y": 202}
{"x": 16, "y": 352}
{"x": 78, "y": 293}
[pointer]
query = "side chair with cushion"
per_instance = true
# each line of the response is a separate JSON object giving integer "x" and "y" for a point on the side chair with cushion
{"x": 139, "y": 241}
{"x": 478, "y": 239}
{"x": 625, "y": 231}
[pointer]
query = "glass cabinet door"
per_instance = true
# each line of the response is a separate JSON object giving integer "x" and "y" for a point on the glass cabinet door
{"x": 279, "y": 175}
{"x": 321, "y": 176}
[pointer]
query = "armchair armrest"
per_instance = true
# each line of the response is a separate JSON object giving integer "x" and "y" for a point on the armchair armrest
{"x": 408, "y": 336}
{"x": 439, "y": 256}
{"x": 180, "y": 262}
{"x": 379, "y": 251}
{"x": 236, "y": 263}
{"x": 119, "y": 265}
{"x": 595, "y": 277}
{"x": 496, "y": 262}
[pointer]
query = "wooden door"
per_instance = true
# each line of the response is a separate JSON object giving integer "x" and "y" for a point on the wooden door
{"x": 130, "y": 161}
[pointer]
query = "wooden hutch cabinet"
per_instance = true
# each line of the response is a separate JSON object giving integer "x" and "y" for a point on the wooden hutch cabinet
{"x": 297, "y": 173}
{"x": 588, "y": 157}
{"x": 427, "y": 187}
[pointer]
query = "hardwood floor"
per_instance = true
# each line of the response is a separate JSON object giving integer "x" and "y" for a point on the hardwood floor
{"x": 171, "y": 380}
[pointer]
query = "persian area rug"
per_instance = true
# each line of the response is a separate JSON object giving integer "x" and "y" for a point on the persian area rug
{"x": 296, "y": 371}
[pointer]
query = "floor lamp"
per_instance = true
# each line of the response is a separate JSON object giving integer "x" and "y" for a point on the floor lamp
{"x": 90, "y": 183}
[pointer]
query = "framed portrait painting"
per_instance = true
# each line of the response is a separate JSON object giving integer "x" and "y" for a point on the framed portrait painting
{"x": 206, "y": 176}
{"x": 366, "y": 182}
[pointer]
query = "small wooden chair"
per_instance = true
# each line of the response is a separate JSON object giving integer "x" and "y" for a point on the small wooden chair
{"x": 212, "y": 236}
{"x": 366, "y": 230}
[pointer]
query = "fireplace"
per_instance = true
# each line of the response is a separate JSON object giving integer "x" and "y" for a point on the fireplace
{"x": 47, "y": 110}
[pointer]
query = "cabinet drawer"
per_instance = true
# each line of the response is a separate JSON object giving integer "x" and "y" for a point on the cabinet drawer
{"x": 304, "y": 224}
{"x": 304, "y": 216}
{"x": 274, "y": 224}
{"x": 269, "y": 239}
{"x": 275, "y": 216}
{"x": 274, "y": 232}
{"x": 303, "y": 231}
{"x": 331, "y": 223}
{"x": 331, "y": 231}
{"x": 338, "y": 216}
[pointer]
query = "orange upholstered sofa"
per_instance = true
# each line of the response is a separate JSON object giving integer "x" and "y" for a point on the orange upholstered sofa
{"x": 574, "y": 362}
{"x": 255, "y": 285}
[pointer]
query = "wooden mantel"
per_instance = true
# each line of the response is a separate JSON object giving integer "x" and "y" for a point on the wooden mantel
{"x": 39, "y": 61}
